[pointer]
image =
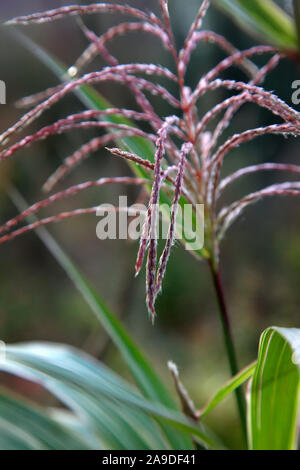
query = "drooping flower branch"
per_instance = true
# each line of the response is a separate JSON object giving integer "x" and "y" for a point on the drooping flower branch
{"x": 191, "y": 164}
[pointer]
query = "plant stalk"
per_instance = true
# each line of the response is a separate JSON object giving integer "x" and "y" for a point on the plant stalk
{"x": 229, "y": 343}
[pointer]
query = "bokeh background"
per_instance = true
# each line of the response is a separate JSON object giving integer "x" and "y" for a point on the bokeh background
{"x": 260, "y": 256}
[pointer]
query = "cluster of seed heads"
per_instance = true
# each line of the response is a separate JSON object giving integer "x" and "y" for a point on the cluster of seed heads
{"x": 191, "y": 169}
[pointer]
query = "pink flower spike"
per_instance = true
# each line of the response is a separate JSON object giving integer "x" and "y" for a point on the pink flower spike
{"x": 198, "y": 21}
{"x": 254, "y": 169}
{"x": 210, "y": 36}
{"x": 260, "y": 96}
{"x": 187, "y": 159}
{"x": 238, "y": 139}
{"x": 224, "y": 123}
{"x": 71, "y": 122}
{"x": 153, "y": 88}
{"x": 32, "y": 100}
{"x": 152, "y": 216}
{"x": 57, "y": 218}
{"x": 166, "y": 18}
{"x": 165, "y": 174}
{"x": 116, "y": 73}
{"x": 70, "y": 192}
{"x": 47, "y": 220}
{"x": 186, "y": 148}
{"x": 131, "y": 157}
{"x": 81, "y": 154}
{"x": 236, "y": 58}
{"x": 112, "y": 61}
{"x": 165, "y": 11}
{"x": 99, "y": 43}
{"x": 142, "y": 248}
{"x": 58, "y": 13}
{"x": 229, "y": 214}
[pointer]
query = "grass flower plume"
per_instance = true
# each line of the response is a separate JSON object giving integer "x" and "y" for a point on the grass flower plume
{"x": 189, "y": 150}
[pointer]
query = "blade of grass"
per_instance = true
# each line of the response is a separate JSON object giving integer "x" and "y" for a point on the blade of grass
{"x": 228, "y": 388}
{"x": 86, "y": 385}
{"x": 39, "y": 430}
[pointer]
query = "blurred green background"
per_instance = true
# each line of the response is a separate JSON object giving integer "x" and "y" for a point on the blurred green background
{"x": 260, "y": 256}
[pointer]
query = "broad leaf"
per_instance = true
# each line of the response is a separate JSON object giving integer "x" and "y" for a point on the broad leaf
{"x": 24, "y": 426}
{"x": 101, "y": 398}
{"x": 274, "y": 394}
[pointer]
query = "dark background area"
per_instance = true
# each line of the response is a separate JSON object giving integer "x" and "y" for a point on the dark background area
{"x": 260, "y": 255}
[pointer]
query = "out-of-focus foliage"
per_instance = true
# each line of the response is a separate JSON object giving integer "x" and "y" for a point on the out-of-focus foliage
{"x": 107, "y": 413}
{"x": 110, "y": 412}
{"x": 264, "y": 18}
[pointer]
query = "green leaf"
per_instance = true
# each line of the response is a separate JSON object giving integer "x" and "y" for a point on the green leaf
{"x": 265, "y": 18}
{"x": 69, "y": 419}
{"x": 274, "y": 395}
{"x": 25, "y": 426}
{"x": 101, "y": 416}
{"x": 296, "y": 6}
{"x": 101, "y": 398}
{"x": 228, "y": 388}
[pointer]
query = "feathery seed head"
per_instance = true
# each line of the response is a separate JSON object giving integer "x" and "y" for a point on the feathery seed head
{"x": 189, "y": 165}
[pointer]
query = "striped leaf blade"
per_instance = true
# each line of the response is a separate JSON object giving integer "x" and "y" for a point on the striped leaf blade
{"x": 274, "y": 394}
{"x": 24, "y": 426}
{"x": 92, "y": 391}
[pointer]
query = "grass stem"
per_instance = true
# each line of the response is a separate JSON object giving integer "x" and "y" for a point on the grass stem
{"x": 229, "y": 343}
